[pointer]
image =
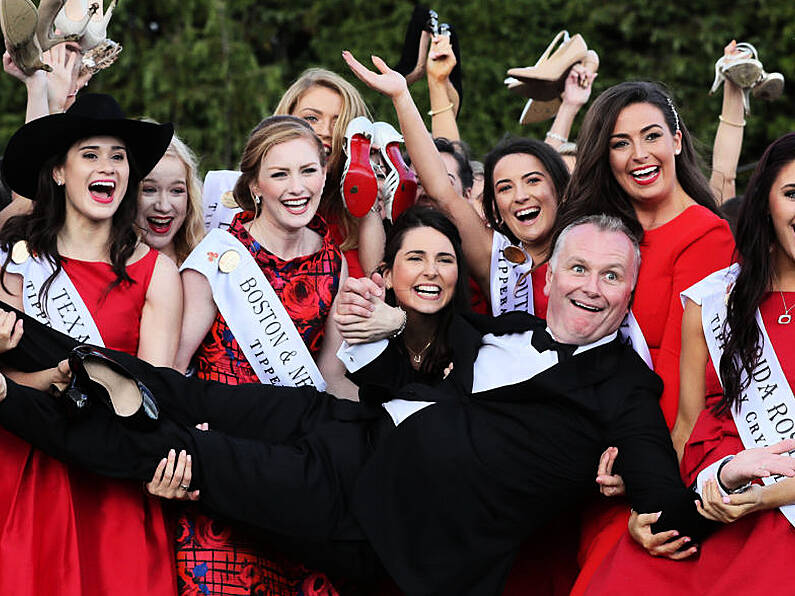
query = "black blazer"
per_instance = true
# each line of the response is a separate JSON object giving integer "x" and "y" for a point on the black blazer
{"x": 449, "y": 495}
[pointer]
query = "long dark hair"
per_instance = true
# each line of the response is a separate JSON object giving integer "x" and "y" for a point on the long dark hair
{"x": 439, "y": 353}
{"x": 510, "y": 145}
{"x": 594, "y": 189}
{"x": 40, "y": 228}
{"x": 754, "y": 240}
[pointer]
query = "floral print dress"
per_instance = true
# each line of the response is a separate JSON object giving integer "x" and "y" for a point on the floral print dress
{"x": 215, "y": 556}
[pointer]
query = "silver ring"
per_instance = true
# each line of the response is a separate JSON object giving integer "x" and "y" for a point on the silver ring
{"x": 184, "y": 487}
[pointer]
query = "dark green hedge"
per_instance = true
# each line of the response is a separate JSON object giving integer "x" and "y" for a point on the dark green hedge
{"x": 216, "y": 67}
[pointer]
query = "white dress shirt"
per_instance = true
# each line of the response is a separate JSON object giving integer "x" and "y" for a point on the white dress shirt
{"x": 502, "y": 360}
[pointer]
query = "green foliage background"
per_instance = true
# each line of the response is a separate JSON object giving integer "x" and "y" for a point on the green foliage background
{"x": 216, "y": 67}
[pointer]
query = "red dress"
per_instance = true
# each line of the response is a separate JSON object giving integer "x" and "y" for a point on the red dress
{"x": 214, "y": 556}
{"x": 749, "y": 556}
{"x": 62, "y": 529}
{"x": 674, "y": 256}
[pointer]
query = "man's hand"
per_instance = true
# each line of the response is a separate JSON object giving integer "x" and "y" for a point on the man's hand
{"x": 658, "y": 545}
{"x": 610, "y": 485}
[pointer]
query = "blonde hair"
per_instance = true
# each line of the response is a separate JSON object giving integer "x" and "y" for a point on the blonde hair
{"x": 353, "y": 105}
{"x": 192, "y": 230}
{"x": 268, "y": 133}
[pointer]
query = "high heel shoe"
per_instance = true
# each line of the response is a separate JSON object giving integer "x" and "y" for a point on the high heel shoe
{"x": 359, "y": 186}
{"x": 416, "y": 43}
{"x": 400, "y": 183}
{"x": 29, "y": 31}
{"x": 96, "y": 376}
{"x": 538, "y": 111}
{"x": 545, "y": 80}
{"x": 769, "y": 87}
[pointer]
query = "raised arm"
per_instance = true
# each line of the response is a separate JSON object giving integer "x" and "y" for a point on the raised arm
{"x": 440, "y": 64}
{"x": 728, "y": 139}
{"x": 429, "y": 165}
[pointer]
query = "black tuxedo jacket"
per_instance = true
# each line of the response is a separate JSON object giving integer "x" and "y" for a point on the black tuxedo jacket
{"x": 448, "y": 496}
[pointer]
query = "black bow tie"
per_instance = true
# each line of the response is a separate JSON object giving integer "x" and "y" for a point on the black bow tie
{"x": 543, "y": 341}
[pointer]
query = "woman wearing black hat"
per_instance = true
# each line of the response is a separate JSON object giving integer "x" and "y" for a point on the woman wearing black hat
{"x": 75, "y": 263}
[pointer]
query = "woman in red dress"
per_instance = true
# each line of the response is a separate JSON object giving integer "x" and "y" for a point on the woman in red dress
{"x": 283, "y": 174}
{"x": 637, "y": 161}
{"x": 61, "y": 529}
{"x": 752, "y": 551}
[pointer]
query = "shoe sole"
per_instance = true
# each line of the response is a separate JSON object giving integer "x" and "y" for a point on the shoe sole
{"x": 744, "y": 74}
{"x": 18, "y": 20}
{"x": 770, "y": 88}
{"x": 359, "y": 185}
{"x": 123, "y": 392}
{"x": 538, "y": 111}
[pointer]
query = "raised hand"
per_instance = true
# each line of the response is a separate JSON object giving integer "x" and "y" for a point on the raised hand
{"x": 577, "y": 90}
{"x": 386, "y": 81}
{"x": 441, "y": 59}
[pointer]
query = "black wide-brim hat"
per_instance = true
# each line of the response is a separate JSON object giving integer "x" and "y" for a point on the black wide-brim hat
{"x": 91, "y": 115}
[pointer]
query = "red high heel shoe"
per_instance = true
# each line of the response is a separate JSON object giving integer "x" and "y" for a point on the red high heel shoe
{"x": 359, "y": 185}
{"x": 401, "y": 183}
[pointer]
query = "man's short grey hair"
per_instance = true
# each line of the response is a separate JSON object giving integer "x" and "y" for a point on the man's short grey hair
{"x": 605, "y": 223}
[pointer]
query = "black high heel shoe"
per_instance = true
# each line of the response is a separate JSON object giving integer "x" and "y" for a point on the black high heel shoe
{"x": 416, "y": 43}
{"x": 95, "y": 376}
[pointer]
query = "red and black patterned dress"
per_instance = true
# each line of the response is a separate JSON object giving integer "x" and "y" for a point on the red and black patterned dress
{"x": 214, "y": 556}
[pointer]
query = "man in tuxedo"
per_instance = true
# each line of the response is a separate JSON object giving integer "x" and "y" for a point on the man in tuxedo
{"x": 442, "y": 483}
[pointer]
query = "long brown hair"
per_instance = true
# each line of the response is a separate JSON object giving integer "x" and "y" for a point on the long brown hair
{"x": 755, "y": 239}
{"x": 593, "y": 187}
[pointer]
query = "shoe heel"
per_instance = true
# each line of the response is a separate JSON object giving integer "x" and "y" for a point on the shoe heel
{"x": 359, "y": 186}
{"x": 719, "y": 78}
{"x": 406, "y": 189}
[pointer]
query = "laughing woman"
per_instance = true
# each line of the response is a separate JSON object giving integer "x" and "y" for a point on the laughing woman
{"x": 75, "y": 264}
{"x": 170, "y": 203}
{"x": 258, "y": 299}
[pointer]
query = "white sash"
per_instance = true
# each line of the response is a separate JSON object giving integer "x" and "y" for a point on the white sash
{"x": 511, "y": 288}
{"x": 263, "y": 329}
{"x": 216, "y": 184}
{"x": 766, "y": 413}
{"x": 511, "y": 285}
{"x": 65, "y": 310}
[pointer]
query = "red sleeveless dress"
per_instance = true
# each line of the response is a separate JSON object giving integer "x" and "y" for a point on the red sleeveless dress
{"x": 215, "y": 556}
{"x": 749, "y": 556}
{"x": 64, "y": 530}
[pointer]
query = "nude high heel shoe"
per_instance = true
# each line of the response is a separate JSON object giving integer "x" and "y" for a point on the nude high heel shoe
{"x": 69, "y": 26}
{"x": 29, "y": 31}
{"x": 538, "y": 111}
{"x": 545, "y": 80}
